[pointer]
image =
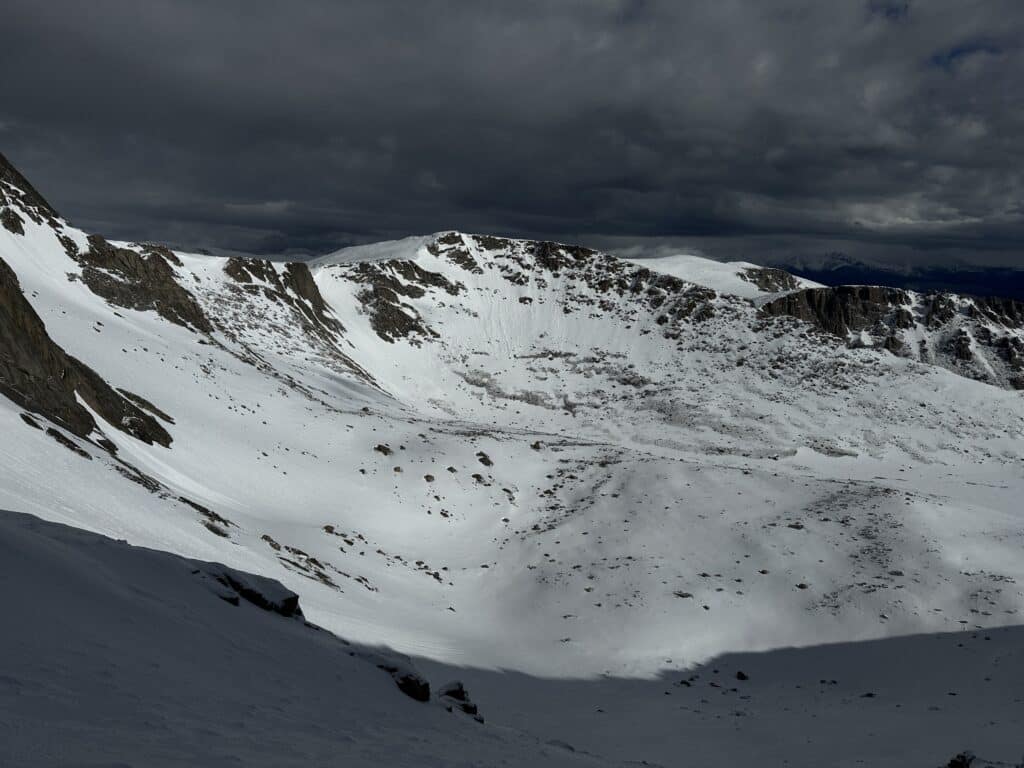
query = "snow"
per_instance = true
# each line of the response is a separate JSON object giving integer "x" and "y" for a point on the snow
{"x": 724, "y": 277}
{"x": 406, "y": 248}
{"x": 126, "y": 656}
{"x": 620, "y": 462}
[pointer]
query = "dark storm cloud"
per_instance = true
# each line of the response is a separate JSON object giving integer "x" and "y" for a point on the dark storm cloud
{"x": 882, "y": 128}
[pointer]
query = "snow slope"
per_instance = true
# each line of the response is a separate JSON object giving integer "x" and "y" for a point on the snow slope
{"x": 126, "y": 656}
{"x": 535, "y": 458}
{"x": 738, "y": 278}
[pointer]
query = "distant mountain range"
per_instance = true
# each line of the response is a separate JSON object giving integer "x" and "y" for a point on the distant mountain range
{"x": 973, "y": 281}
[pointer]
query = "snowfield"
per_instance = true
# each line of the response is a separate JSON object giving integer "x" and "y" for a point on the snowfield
{"x": 580, "y": 484}
{"x": 128, "y": 656}
{"x": 736, "y": 278}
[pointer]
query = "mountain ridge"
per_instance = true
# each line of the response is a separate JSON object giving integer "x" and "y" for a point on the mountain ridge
{"x": 524, "y": 455}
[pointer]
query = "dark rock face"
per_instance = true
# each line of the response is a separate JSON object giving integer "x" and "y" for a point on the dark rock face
{"x": 39, "y": 376}
{"x": 1003, "y": 311}
{"x": 770, "y": 279}
{"x": 414, "y": 686}
{"x": 16, "y": 190}
{"x": 978, "y": 338}
{"x": 299, "y": 280}
{"x": 12, "y": 222}
{"x": 128, "y": 279}
{"x": 145, "y": 405}
{"x": 456, "y": 252}
{"x": 296, "y": 288}
{"x": 263, "y": 593}
{"x": 244, "y": 270}
{"x": 845, "y": 308}
{"x": 71, "y": 445}
{"x": 409, "y": 682}
{"x": 454, "y": 696}
{"x": 962, "y": 760}
{"x": 390, "y": 317}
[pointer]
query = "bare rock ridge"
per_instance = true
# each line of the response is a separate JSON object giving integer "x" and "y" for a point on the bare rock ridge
{"x": 979, "y": 338}
{"x": 15, "y": 188}
{"x": 296, "y": 288}
{"x": 770, "y": 279}
{"x": 845, "y": 309}
{"x": 144, "y": 282}
{"x": 39, "y": 376}
{"x": 603, "y": 281}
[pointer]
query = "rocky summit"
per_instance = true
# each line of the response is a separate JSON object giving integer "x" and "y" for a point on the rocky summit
{"x": 627, "y": 504}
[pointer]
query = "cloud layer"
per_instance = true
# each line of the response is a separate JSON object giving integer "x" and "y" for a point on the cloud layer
{"x": 883, "y": 128}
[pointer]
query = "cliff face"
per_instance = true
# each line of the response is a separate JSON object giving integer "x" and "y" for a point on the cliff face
{"x": 40, "y": 377}
{"x": 845, "y": 309}
{"x": 139, "y": 281}
{"x": 14, "y": 185}
{"x": 980, "y": 338}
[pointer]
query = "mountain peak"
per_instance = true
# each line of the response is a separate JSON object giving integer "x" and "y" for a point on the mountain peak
{"x": 19, "y": 189}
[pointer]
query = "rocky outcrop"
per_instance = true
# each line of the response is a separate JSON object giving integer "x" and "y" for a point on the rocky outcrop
{"x": 299, "y": 280}
{"x": 1009, "y": 312}
{"x": 770, "y": 279}
{"x": 144, "y": 282}
{"x": 295, "y": 288}
{"x": 454, "y": 696}
{"x": 409, "y": 682}
{"x": 845, "y": 309}
{"x": 12, "y": 222}
{"x": 233, "y": 586}
{"x": 39, "y": 376}
{"x": 386, "y": 284}
{"x": 16, "y": 191}
{"x": 978, "y": 338}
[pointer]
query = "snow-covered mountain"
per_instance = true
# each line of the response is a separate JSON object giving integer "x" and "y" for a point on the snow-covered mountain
{"x": 495, "y": 454}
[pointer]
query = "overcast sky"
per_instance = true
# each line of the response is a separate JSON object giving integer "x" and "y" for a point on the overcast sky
{"x": 761, "y": 129}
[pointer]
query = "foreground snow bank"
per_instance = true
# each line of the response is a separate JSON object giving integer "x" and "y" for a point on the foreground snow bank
{"x": 137, "y": 657}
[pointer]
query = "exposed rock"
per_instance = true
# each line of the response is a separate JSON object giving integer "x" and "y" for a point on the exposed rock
{"x": 409, "y": 682}
{"x": 770, "y": 279}
{"x": 127, "y": 279}
{"x": 143, "y": 403}
{"x": 210, "y": 516}
{"x": 457, "y": 254}
{"x": 244, "y": 270}
{"x": 844, "y": 309}
{"x": 150, "y": 249}
{"x": 30, "y": 421}
{"x": 262, "y": 592}
{"x": 16, "y": 189}
{"x": 962, "y": 760}
{"x": 961, "y": 345}
{"x": 295, "y": 288}
{"x": 299, "y": 279}
{"x": 67, "y": 443}
{"x": 386, "y": 282}
{"x": 12, "y": 222}
{"x": 39, "y": 376}
{"x": 454, "y": 696}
